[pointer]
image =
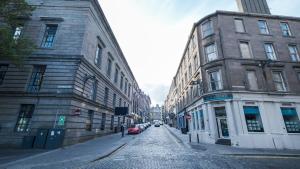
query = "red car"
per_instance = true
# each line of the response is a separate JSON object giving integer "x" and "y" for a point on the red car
{"x": 134, "y": 129}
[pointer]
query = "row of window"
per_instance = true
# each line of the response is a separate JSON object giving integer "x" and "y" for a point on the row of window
{"x": 27, "y": 110}
{"x": 90, "y": 121}
{"x": 215, "y": 83}
{"x": 207, "y": 27}
{"x": 48, "y": 41}
{"x": 123, "y": 81}
{"x": 211, "y": 52}
{"x": 253, "y": 119}
{"x": 215, "y": 80}
{"x": 93, "y": 94}
{"x": 36, "y": 79}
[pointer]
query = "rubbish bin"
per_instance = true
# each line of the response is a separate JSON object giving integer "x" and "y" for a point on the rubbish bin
{"x": 28, "y": 142}
{"x": 184, "y": 130}
{"x": 41, "y": 137}
{"x": 55, "y": 138}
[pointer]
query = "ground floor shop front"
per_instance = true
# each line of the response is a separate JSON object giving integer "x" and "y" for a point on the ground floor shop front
{"x": 245, "y": 120}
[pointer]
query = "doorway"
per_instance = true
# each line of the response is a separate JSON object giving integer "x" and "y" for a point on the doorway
{"x": 221, "y": 120}
{"x": 222, "y": 127}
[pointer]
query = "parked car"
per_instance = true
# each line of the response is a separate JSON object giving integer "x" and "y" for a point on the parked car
{"x": 156, "y": 124}
{"x": 141, "y": 127}
{"x": 134, "y": 129}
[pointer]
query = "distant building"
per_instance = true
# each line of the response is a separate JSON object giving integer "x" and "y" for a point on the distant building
{"x": 156, "y": 113}
{"x": 238, "y": 82}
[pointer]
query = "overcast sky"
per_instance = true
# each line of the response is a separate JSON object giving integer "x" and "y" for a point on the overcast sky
{"x": 153, "y": 33}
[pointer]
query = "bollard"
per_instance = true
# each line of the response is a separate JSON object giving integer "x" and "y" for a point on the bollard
{"x": 198, "y": 138}
{"x": 190, "y": 137}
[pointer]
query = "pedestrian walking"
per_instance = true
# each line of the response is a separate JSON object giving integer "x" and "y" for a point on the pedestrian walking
{"x": 122, "y": 129}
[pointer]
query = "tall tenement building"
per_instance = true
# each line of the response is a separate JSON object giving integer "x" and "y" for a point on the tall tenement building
{"x": 71, "y": 83}
{"x": 238, "y": 82}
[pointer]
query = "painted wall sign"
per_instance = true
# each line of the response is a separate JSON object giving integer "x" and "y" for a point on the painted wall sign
{"x": 218, "y": 97}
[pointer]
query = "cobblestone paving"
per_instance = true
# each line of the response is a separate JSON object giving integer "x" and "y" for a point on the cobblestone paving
{"x": 156, "y": 148}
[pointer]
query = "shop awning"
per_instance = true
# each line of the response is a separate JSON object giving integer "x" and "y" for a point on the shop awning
{"x": 288, "y": 111}
{"x": 251, "y": 110}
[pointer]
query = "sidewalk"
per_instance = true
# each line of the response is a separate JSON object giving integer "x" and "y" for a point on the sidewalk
{"x": 72, "y": 156}
{"x": 232, "y": 151}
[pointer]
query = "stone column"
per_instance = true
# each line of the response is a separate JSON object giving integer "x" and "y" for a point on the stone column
{"x": 230, "y": 120}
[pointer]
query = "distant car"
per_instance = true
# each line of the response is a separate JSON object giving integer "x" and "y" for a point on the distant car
{"x": 134, "y": 129}
{"x": 157, "y": 124}
{"x": 161, "y": 123}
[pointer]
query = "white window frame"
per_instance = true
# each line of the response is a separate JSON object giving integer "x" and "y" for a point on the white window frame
{"x": 265, "y": 27}
{"x": 219, "y": 83}
{"x": 207, "y": 30}
{"x": 215, "y": 52}
{"x": 248, "y": 80}
{"x": 273, "y": 52}
{"x": 281, "y": 82}
{"x": 285, "y": 29}
{"x": 249, "y": 49}
{"x": 294, "y": 56}
{"x": 236, "y": 25}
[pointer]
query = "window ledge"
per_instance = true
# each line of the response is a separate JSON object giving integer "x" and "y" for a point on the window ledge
{"x": 42, "y": 48}
{"x": 288, "y": 36}
{"x": 262, "y": 34}
{"x": 243, "y": 33}
{"x": 206, "y": 37}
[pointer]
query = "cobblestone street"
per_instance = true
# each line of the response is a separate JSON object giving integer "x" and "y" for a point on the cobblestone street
{"x": 156, "y": 148}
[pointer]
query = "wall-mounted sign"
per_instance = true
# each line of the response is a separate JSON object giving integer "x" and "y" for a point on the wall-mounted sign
{"x": 76, "y": 112}
{"x": 218, "y": 97}
{"x": 61, "y": 120}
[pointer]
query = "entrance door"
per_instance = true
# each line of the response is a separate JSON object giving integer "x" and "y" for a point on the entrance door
{"x": 222, "y": 127}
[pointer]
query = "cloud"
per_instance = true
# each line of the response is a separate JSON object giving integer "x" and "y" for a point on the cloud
{"x": 153, "y": 33}
{"x": 156, "y": 92}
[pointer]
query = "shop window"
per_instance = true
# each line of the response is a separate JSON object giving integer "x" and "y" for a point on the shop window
{"x": 202, "y": 120}
{"x": 291, "y": 120}
{"x": 253, "y": 119}
{"x": 197, "y": 120}
{"x": 194, "y": 121}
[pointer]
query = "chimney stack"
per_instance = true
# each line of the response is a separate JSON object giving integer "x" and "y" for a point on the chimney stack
{"x": 254, "y": 6}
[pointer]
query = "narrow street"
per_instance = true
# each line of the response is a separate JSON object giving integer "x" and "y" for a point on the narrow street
{"x": 157, "y": 148}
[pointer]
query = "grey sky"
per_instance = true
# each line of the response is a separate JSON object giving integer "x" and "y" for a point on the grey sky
{"x": 153, "y": 34}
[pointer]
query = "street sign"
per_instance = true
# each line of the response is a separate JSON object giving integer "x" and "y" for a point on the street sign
{"x": 61, "y": 120}
{"x": 188, "y": 116}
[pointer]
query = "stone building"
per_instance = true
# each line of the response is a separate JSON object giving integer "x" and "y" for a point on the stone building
{"x": 73, "y": 80}
{"x": 238, "y": 82}
{"x": 156, "y": 112}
